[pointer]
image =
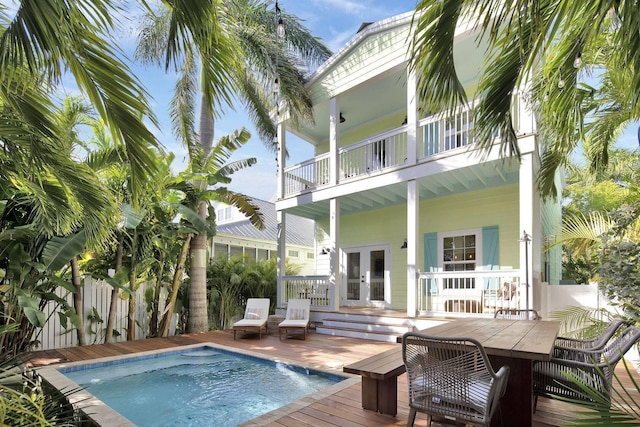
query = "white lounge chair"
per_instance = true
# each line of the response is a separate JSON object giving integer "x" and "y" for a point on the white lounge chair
{"x": 255, "y": 317}
{"x": 297, "y": 318}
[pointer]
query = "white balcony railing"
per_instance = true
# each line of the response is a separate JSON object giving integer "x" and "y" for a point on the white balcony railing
{"x": 470, "y": 292}
{"x": 437, "y": 134}
{"x": 307, "y": 175}
{"x": 315, "y": 288}
{"x": 381, "y": 152}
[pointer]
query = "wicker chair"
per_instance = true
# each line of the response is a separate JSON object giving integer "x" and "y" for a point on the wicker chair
{"x": 515, "y": 314}
{"x": 594, "y": 367}
{"x": 565, "y": 346}
{"x": 451, "y": 377}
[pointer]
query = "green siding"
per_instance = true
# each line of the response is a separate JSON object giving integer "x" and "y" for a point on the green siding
{"x": 470, "y": 210}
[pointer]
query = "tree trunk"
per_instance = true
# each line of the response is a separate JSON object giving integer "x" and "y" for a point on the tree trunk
{"x": 77, "y": 299}
{"x": 131, "y": 315}
{"x": 155, "y": 304}
{"x": 175, "y": 286}
{"x": 198, "y": 319}
{"x": 115, "y": 294}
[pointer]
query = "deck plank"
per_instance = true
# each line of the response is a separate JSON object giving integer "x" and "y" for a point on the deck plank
{"x": 341, "y": 409}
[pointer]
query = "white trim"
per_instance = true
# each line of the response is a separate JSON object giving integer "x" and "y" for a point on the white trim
{"x": 453, "y": 233}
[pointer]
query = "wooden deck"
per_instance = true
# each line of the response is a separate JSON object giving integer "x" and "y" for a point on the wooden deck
{"x": 342, "y": 409}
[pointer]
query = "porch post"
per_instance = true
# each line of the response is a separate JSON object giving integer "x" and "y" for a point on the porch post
{"x": 412, "y": 246}
{"x": 282, "y": 242}
{"x": 280, "y": 158}
{"x": 526, "y": 190}
{"x": 334, "y": 114}
{"x": 335, "y": 275}
{"x": 412, "y": 119}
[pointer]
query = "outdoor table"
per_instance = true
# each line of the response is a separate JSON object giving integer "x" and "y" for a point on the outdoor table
{"x": 514, "y": 343}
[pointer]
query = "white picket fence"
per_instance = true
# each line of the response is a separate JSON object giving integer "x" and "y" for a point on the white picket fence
{"x": 96, "y": 294}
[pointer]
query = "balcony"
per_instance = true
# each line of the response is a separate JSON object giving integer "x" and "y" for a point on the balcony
{"x": 382, "y": 153}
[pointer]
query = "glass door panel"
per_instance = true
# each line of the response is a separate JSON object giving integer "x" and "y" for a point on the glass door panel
{"x": 367, "y": 276}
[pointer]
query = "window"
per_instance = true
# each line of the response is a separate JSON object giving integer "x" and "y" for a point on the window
{"x": 293, "y": 254}
{"x": 223, "y": 214}
{"x": 310, "y": 255}
{"x": 459, "y": 253}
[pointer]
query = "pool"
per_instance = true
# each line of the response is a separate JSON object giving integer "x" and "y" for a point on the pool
{"x": 204, "y": 384}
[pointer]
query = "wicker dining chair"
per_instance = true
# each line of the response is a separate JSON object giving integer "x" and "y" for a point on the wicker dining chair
{"x": 451, "y": 377}
{"x": 516, "y": 314}
{"x": 557, "y": 378}
{"x": 565, "y": 346}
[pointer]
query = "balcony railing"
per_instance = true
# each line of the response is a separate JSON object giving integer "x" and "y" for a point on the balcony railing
{"x": 307, "y": 175}
{"x": 481, "y": 292}
{"x": 437, "y": 134}
{"x": 315, "y": 288}
{"x": 384, "y": 151}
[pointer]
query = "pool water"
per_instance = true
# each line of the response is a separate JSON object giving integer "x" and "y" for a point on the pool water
{"x": 202, "y": 387}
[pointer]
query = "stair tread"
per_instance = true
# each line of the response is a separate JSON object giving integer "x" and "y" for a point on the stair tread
{"x": 363, "y": 331}
{"x": 365, "y": 322}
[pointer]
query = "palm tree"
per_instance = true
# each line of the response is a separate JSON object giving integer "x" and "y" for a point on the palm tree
{"x": 42, "y": 42}
{"x": 233, "y": 50}
{"x": 545, "y": 39}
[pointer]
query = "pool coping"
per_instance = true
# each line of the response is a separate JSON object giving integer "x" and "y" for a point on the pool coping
{"x": 101, "y": 414}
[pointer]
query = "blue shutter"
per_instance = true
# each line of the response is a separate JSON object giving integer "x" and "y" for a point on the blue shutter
{"x": 431, "y": 259}
{"x": 490, "y": 254}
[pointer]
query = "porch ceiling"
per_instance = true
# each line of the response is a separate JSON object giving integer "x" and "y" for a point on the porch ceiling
{"x": 473, "y": 178}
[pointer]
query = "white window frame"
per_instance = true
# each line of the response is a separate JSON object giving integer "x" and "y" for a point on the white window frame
{"x": 456, "y": 233}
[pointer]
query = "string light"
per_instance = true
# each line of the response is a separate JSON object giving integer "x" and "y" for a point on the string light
{"x": 577, "y": 63}
{"x": 561, "y": 82}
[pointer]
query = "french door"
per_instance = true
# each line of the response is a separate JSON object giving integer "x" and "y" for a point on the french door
{"x": 367, "y": 276}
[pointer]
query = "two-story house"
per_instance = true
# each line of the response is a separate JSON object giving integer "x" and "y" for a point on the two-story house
{"x": 409, "y": 215}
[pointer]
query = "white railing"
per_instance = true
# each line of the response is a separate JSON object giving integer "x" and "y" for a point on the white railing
{"x": 381, "y": 152}
{"x": 307, "y": 175}
{"x": 481, "y": 292}
{"x": 439, "y": 134}
{"x": 315, "y": 288}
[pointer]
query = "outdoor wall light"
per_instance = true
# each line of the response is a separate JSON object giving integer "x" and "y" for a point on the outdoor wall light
{"x": 342, "y": 119}
{"x": 325, "y": 251}
{"x": 404, "y": 245}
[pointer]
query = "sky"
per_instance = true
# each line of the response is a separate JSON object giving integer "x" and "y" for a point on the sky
{"x": 335, "y": 22}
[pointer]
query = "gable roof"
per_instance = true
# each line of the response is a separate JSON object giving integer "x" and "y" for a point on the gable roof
{"x": 299, "y": 231}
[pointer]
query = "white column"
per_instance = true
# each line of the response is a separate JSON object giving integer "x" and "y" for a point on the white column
{"x": 526, "y": 190}
{"x": 335, "y": 274}
{"x": 280, "y": 158}
{"x": 282, "y": 247}
{"x": 334, "y": 120}
{"x": 412, "y": 118}
{"x": 412, "y": 246}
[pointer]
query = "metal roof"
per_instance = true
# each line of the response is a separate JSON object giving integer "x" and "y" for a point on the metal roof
{"x": 299, "y": 231}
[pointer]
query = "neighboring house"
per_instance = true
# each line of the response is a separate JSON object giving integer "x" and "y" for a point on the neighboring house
{"x": 235, "y": 235}
{"x": 409, "y": 215}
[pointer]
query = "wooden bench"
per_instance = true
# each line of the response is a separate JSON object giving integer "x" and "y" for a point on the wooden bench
{"x": 380, "y": 380}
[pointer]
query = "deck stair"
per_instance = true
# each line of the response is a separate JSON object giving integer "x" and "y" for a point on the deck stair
{"x": 365, "y": 326}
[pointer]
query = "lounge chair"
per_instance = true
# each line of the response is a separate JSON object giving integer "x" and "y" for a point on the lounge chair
{"x": 297, "y": 318}
{"x": 515, "y": 314}
{"x": 255, "y": 317}
{"x": 451, "y": 377}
